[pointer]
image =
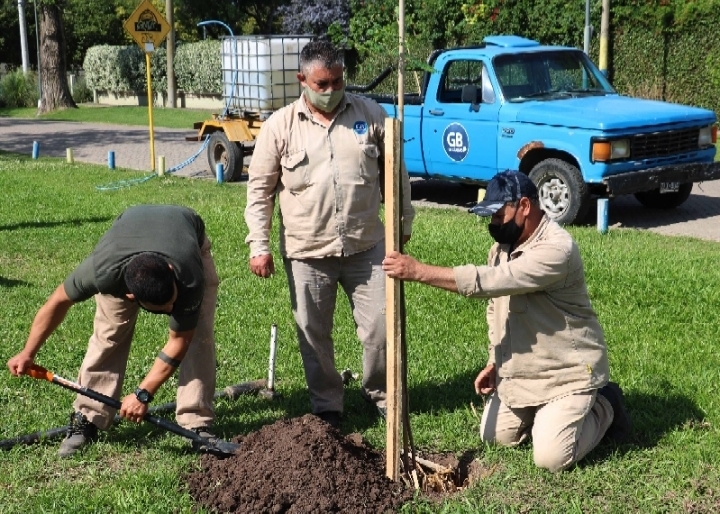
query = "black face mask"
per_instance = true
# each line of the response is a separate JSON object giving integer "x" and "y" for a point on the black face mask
{"x": 507, "y": 233}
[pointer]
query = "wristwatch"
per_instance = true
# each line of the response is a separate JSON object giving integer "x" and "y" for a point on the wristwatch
{"x": 143, "y": 396}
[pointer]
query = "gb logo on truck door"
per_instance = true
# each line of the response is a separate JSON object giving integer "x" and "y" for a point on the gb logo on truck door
{"x": 456, "y": 142}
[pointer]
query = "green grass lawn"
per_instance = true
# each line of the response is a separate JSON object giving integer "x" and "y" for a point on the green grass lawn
{"x": 118, "y": 115}
{"x": 657, "y": 299}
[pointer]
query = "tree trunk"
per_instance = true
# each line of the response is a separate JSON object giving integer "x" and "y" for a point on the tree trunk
{"x": 53, "y": 61}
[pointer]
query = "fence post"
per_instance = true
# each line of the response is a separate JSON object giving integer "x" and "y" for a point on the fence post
{"x": 602, "y": 215}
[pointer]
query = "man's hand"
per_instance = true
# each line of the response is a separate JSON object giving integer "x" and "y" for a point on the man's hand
{"x": 262, "y": 265}
{"x": 133, "y": 409}
{"x": 400, "y": 266}
{"x": 485, "y": 381}
{"x": 18, "y": 364}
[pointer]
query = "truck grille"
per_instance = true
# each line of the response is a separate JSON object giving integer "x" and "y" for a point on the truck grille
{"x": 661, "y": 144}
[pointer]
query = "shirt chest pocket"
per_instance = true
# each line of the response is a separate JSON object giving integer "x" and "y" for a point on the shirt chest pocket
{"x": 369, "y": 165}
{"x": 294, "y": 170}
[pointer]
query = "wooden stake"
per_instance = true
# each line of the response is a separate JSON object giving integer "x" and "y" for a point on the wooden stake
{"x": 393, "y": 233}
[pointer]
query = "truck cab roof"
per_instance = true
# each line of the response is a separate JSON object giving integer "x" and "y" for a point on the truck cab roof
{"x": 498, "y": 45}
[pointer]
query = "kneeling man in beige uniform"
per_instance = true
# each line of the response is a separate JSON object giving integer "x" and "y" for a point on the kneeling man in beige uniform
{"x": 547, "y": 372}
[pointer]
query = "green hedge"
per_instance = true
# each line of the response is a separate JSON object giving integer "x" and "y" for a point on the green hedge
{"x": 662, "y": 49}
{"x": 198, "y": 67}
{"x": 18, "y": 89}
{"x": 121, "y": 69}
{"x": 681, "y": 66}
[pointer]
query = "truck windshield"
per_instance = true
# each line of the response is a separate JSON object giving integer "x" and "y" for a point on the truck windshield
{"x": 549, "y": 75}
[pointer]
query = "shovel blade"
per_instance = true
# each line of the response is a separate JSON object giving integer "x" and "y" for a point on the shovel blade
{"x": 217, "y": 448}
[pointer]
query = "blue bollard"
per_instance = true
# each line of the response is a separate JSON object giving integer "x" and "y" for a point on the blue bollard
{"x": 602, "y": 215}
{"x": 36, "y": 150}
{"x": 111, "y": 160}
{"x": 219, "y": 172}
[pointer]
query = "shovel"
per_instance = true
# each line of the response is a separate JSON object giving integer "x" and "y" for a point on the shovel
{"x": 219, "y": 448}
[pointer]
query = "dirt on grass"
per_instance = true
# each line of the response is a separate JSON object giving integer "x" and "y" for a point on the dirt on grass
{"x": 298, "y": 466}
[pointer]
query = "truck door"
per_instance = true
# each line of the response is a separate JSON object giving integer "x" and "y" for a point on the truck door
{"x": 459, "y": 141}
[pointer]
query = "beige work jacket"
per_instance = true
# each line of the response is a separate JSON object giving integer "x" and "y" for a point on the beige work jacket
{"x": 545, "y": 338}
{"x": 327, "y": 180}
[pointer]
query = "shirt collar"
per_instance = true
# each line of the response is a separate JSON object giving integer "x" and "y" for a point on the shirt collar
{"x": 544, "y": 221}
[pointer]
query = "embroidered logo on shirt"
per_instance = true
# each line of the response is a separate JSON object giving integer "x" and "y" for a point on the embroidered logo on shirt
{"x": 360, "y": 127}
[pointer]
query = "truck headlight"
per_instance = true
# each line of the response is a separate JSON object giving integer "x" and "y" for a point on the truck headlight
{"x": 707, "y": 136}
{"x": 610, "y": 150}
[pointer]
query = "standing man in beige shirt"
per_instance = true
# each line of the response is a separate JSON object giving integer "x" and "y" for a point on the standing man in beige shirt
{"x": 322, "y": 157}
{"x": 547, "y": 371}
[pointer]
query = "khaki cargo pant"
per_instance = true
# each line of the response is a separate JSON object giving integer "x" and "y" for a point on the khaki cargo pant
{"x": 563, "y": 431}
{"x": 103, "y": 368}
{"x": 313, "y": 294}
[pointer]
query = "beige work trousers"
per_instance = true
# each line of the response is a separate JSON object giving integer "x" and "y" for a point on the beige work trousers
{"x": 103, "y": 368}
{"x": 563, "y": 431}
{"x": 313, "y": 294}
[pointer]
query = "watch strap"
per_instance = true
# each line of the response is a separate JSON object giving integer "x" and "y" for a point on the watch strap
{"x": 143, "y": 395}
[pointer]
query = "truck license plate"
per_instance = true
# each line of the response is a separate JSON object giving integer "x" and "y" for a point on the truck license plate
{"x": 669, "y": 187}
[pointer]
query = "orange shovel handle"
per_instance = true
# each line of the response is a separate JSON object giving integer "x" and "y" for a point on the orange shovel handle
{"x": 40, "y": 373}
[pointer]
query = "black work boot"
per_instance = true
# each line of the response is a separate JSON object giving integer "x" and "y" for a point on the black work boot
{"x": 205, "y": 433}
{"x": 619, "y": 430}
{"x": 381, "y": 410}
{"x": 330, "y": 417}
{"x": 80, "y": 432}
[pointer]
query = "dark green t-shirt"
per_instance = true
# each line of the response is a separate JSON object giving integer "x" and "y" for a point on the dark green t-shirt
{"x": 172, "y": 231}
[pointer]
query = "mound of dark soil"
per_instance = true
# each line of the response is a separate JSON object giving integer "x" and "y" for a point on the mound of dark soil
{"x": 295, "y": 466}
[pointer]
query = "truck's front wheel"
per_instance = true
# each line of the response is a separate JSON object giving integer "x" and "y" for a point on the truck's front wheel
{"x": 564, "y": 195}
{"x": 223, "y": 151}
{"x": 657, "y": 200}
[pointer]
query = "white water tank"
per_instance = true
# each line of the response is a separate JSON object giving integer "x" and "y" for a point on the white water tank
{"x": 260, "y": 72}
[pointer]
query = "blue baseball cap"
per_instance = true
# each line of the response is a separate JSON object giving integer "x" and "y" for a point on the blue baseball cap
{"x": 506, "y": 186}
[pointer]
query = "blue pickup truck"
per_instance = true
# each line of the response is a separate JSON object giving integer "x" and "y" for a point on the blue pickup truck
{"x": 511, "y": 103}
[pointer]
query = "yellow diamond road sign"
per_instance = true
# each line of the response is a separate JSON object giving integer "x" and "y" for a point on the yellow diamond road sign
{"x": 147, "y": 26}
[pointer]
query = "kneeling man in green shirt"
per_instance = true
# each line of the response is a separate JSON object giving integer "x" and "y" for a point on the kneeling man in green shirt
{"x": 547, "y": 373}
{"x": 156, "y": 258}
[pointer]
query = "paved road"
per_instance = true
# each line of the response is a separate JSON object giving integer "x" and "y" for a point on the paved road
{"x": 698, "y": 217}
{"x": 91, "y": 143}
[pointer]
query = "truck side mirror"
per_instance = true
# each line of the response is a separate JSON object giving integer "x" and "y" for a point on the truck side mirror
{"x": 469, "y": 96}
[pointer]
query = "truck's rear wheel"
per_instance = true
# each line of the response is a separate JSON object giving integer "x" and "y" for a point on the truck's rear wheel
{"x": 564, "y": 195}
{"x": 657, "y": 200}
{"x": 223, "y": 151}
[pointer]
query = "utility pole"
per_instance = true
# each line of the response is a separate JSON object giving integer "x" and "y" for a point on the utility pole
{"x": 604, "y": 36}
{"x": 170, "y": 55}
{"x": 23, "y": 37}
{"x": 588, "y": 29}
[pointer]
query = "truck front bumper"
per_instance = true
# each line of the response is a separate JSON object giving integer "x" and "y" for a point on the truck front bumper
{"x": 646, "y": 180}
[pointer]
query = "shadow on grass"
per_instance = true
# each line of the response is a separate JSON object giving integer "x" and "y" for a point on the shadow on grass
{"x": 358, "y": 414}
{"x": 49, "y": 224}
{"x": 446, "y": 395}
{"x": 652, "y": 417}
{"x": 11, "y": 282}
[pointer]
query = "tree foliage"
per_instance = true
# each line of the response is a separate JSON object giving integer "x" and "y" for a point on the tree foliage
{"x": 89, "y": 23}
{"x": 315, "y": 17}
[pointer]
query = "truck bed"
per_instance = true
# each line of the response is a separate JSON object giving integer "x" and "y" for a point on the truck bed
{"x": 410, "y": 98}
